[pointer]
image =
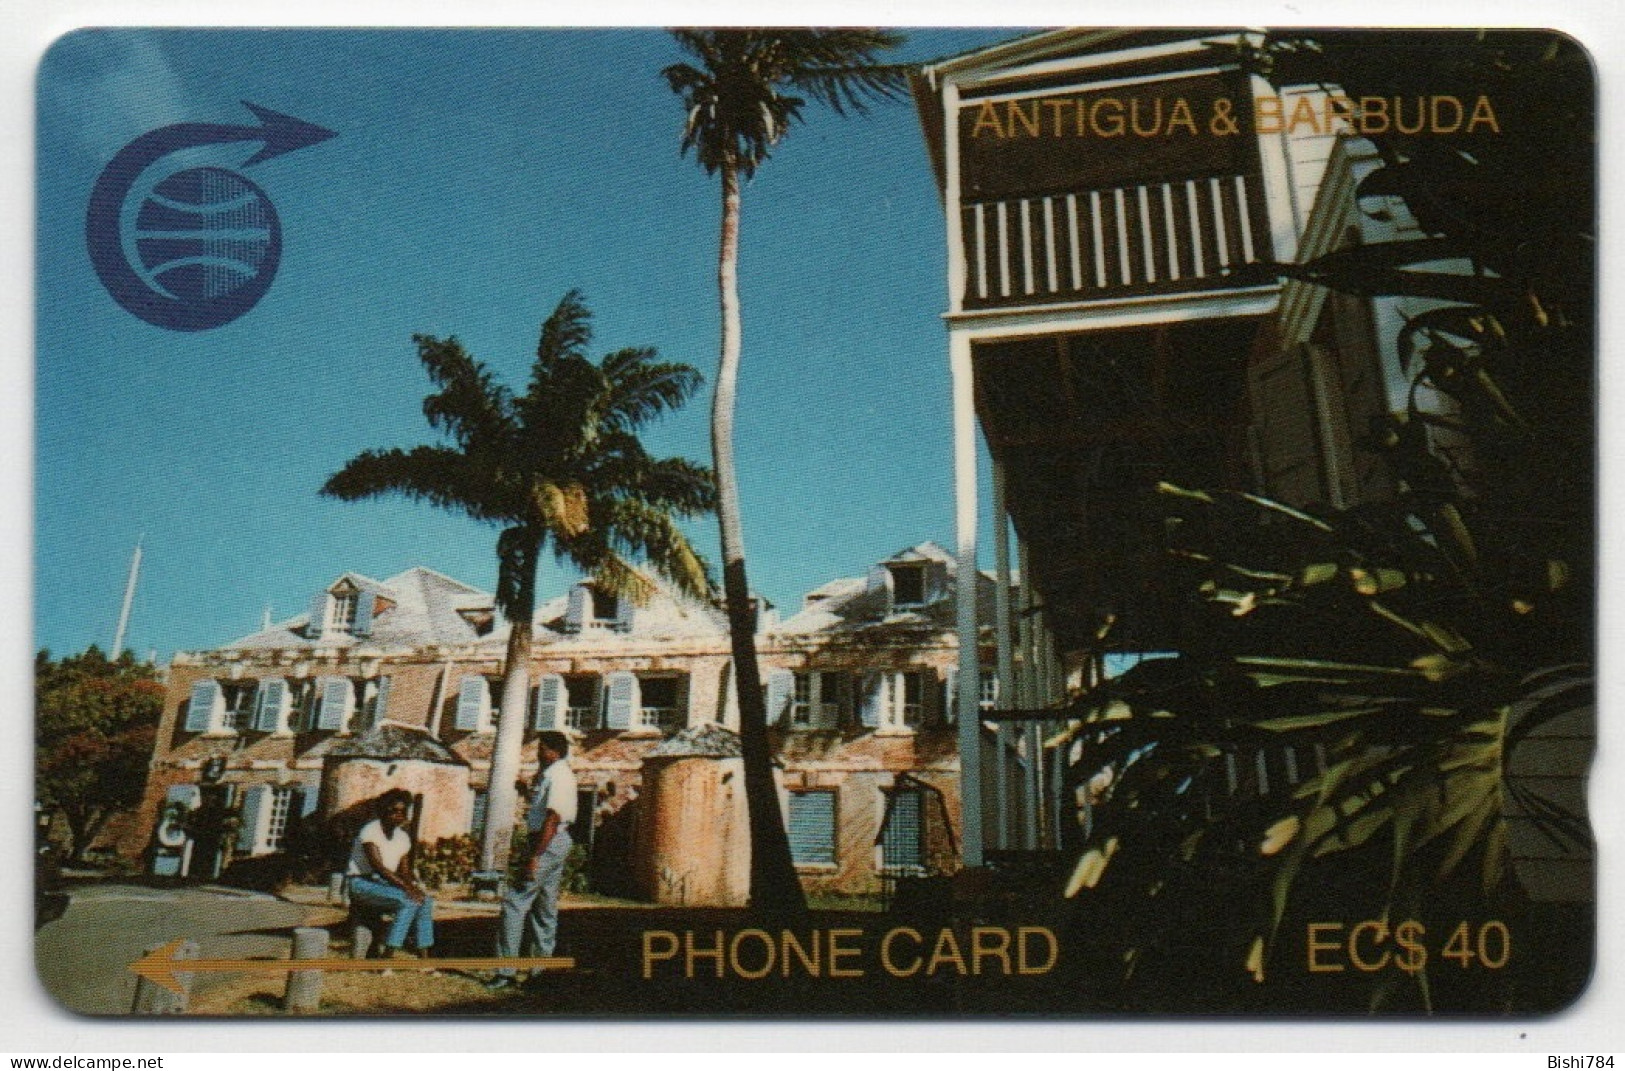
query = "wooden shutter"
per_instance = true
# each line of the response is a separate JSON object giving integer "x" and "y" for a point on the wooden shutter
{"x": 335, "y": 698}
{"x": 366, "y": 604}
{"x": 204, "y": 709}
{"x": 871, "y": 699}
{"x": 272, "y": 707}
{"x": 318, "y": 617}
{"x": 936, "y": 581}
{"x": 624, "y": 699}
{"x": 473, "y": 703}
{"x": 812, "y": 828}
{"x": 578, "y": 608}
{"x": 551, "y": 699}
{"x": 380, "y": 701}
{"x": 256, "y": 819}
{"x": 1284, "y": 420}
{"x": 781, "y": 686}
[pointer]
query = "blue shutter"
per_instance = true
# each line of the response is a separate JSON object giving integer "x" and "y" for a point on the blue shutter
{"x": 318, "y": 617}
{"x": 473, "y": 703}
{"x": 333, "y": 698}
{"x": 256, "y": 814}
{"x": 936, "y": 581}
{"x": 577, "y": 608}
{"x": 550, "y": 700}
{"x": 626, "y": 614}
{"x": 205, "y": 702}
{"x": 900, "y": 840}
{"x": 365, "y": 605}
{"x": 880, "y": 587}
{"x": 624, "y": 699}
{"x": 380, "y": 702}
{"x": 812, "y": 828}
{"x": 306, "y": 802}
{"x": 781, "y": 684}
{"x": 272, "y": 704}
{"x": 950, "y": 696}
{"x": 871, "y": 699}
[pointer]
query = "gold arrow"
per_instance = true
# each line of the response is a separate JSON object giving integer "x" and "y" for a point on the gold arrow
{"x": 160, "y": 966}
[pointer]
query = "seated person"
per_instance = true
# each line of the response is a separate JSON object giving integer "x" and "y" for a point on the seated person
{"x": 381, "y": 876}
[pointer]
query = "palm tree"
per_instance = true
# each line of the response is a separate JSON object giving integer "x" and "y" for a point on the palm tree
{"x": 739, "y": 104}
{"x": 561, "y": 463}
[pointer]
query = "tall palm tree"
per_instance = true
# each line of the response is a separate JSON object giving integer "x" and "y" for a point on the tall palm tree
{"x": 740, "y": 103}
{"x": 561, "y": 463}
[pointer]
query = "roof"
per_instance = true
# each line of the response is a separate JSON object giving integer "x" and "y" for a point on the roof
{"x": 424, "y": 608}
{"x": 708, "y": 741}
{"x": 393, "y": 742}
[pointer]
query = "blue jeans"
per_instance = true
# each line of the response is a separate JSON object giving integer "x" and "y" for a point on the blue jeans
{"x": 415, "y": 919}
{"x": 530, "y": 913}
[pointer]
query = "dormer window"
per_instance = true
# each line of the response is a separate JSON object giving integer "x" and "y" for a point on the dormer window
{"x": 908, "y": 584}
{"x": 606, "y": 607}
{"x": 341, "y": 616}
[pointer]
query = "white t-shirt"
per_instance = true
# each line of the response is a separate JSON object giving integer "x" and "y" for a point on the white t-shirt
{"x": 557, "y": 794}
{"x": 391, "y": 849}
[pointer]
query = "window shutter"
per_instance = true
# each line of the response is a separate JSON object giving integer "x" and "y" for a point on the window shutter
{"x": 624, "y": 699}
{"x": 473, "y": 703}
{"x": 812, "y": 828}
{"x": 936, "y": 581}
{"x": 380, "y": 702}
{"x": 900, "y": 840}
{"x": 832, "y": 688}
{"x": 781, "y": 686}
{"x": 626, "y": 614}
{"x": 334, "y": 700}
{"x": 365, "y": 604}
{"x": 318, "y": 617}
{"x": 207, "y": 703}
{"x": 305, "y": 803}
{"x": 880, "y": 588}
{"x": 950, "y": 696}
{"x": 577, "y": 608}
{"x": 256, "y": 819}
{"x": 871, "y": 699}
{"x": 272, "y": 708}
{"x": 551, "y": 698}
{"x": 1284, "y": 418}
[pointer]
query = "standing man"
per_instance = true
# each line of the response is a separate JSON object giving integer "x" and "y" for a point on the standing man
{"x": 530, "y": 913}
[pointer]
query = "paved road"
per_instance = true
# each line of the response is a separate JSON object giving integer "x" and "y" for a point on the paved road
{"x": 83, "y": 957}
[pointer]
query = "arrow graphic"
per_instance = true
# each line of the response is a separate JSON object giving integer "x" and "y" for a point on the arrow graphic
{"x": 277, "y": 133}
{"x": 160, "y": 967}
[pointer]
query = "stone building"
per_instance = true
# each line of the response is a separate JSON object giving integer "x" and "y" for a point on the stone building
{"x": 393, "y": 683}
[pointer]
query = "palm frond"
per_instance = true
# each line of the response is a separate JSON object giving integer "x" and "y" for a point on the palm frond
{"x": 470, "y": 405}
{"x": 437, "y": 475}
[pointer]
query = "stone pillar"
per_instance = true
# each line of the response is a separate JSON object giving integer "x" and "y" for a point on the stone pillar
{"x": 305, "y": 987}
{"x": 154, "y": 999}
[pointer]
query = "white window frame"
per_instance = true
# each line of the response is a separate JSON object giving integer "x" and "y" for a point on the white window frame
{"x": 341, "y": 611}
{"x": 584, "y": 716}
{"x": 276, "y": 824}
{"x": 665, "y": 719}
{"x": 917, "y": 569}
{"x": 801, "y": 698}
{"x": 239, "y": 701}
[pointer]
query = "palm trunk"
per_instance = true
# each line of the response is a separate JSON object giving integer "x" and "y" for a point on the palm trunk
{"x": 501, "y": 796}
{"x": 774, "y": 888}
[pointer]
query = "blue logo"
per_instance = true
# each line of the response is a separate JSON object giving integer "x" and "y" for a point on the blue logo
{"x": 198, "y": 247}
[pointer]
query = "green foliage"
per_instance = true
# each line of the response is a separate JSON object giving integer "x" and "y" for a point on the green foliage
{"x": 1402, "y": 649}
{"x": 448, "y": 861}
{"x": 575, "y": 864}
{"x": 95, "y": 722}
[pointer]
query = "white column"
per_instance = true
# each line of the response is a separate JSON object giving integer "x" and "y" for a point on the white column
{"x": 950, "y": 194}
{"x": 970, "y": 726}
{"x": 1006, "y": 667}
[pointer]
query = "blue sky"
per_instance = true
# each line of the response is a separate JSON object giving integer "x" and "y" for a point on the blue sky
{"x": 476, "y": 176}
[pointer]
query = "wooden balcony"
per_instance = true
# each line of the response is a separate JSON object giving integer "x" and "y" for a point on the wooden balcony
{"x": 1169, "y": 237}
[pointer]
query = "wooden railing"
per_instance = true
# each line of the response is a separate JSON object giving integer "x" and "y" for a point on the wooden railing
{"x": 1179, "y": 235}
